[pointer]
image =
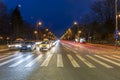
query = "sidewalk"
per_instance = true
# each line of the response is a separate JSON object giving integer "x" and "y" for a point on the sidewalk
{"x": 3, "y": 48}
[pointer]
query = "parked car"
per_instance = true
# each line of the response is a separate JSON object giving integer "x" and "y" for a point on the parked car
{"x": 28, "y": 45}
{"x": 45, "y": 45}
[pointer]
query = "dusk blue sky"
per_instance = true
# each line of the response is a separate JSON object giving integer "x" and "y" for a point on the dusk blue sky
{"x": 58, "y": 15}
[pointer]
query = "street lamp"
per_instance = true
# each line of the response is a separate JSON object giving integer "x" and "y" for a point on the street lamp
{"x": 75, "y": 23}
{"x": 38, "y": 25}
{"x": 46, "y": 29}
{"x": 116, "y": 25}
{"x": 78, "y": 30}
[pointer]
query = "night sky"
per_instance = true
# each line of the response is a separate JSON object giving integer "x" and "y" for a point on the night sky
{"x": 57, "y": 15}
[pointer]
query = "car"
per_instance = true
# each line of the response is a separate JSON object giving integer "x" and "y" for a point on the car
{"x": 28, "y": 45}
{"x": 53, "y": 42}
{"x": 15, "y": 45}
{"x": 45, "y": 45}
{"x": 82, "y": 40}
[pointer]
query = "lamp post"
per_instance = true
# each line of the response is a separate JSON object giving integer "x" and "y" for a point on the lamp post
{"x": 116, "y": 25}
{"x": 37, "y": 29}
{"x": 35, "y": 32}
{"x": 78, "y": 31}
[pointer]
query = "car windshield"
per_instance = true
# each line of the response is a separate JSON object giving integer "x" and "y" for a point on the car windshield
{"x": 45, "y": 42}
{"x": 16, "y": 42}
{"x": 28, "y": 42}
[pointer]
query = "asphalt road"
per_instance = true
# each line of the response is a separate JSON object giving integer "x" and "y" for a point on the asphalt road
{"x": 62, "y": 62}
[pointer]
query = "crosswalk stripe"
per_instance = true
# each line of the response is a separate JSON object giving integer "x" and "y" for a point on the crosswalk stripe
{"x": 100, "y": 62}
{"x": 59, "y": 60}
{"x": 7, "y": 57}
{"x": 108, "y": 60}
{"x": 47, "y": 60}
{"x": 112, "y": 58}
{"x": 34, "y": 61}
{"x": 19, "y": 62}
{"x": 116, "y": 56}
{"x": 85, "y": 61}
{"x": 3, "y": 63}
{"x": 72, "y": 60}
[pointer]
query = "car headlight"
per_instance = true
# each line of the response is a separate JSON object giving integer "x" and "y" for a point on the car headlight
{"x": 29, "y": 46}
{"x": 17, "y": 45}
{"x": 47, "y": 46}
{"x": 9, "y": 45}
{"x": 20, "y": 46}
{"x": 40, "y": 46}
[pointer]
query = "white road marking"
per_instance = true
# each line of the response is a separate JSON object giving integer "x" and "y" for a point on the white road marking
{"x": 100, "y": 62}
{"x": 8, "y": 57}
{"x": 34, "y": 61}
{"x": 3, "y": 56}
{"x": 72, "y": 60}
{"x": 19, "y": 62}
{"x": 85, "y": 61}
{"x": 112, "y": 58}
{"x": 59, "y": 60}
{"x": 108, "y": 60}
{"x": 47, "y": 60}
{"x": 3, "y": 63}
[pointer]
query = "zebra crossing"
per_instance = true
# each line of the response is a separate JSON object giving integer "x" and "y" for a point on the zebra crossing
{"x": 91, "y": 61}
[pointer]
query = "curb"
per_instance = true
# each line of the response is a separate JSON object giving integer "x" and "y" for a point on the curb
{"x": 4, "y": 50}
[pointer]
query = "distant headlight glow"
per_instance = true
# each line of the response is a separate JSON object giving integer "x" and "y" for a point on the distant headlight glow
{"x": 29, "y": 46}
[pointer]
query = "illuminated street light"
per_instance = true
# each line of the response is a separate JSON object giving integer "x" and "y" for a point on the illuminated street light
{"x": 35, "y": 32}
{"x": 119, "y": 33}
{"x": 46, "y": 29}
{"x": 75, "y": 23}
{"x": 1, "y": 37}
{"x": 39, "y": 23}
{"x": 79, "y": 31}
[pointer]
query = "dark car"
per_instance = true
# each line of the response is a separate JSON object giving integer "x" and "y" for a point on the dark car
{"x": 28, "y": 46}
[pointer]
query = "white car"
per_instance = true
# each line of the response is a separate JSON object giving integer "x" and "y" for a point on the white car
{"x": 45, "y": 45}
{"x": 15, "y": 45}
